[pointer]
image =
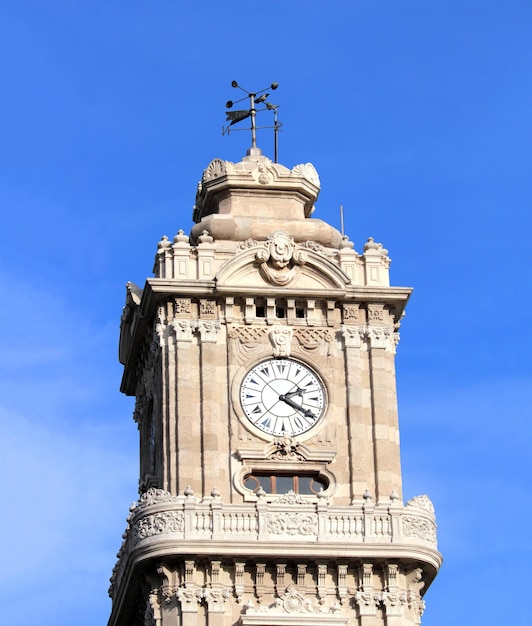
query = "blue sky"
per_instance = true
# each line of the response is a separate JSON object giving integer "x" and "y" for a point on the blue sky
{"x": 416, "y": 115}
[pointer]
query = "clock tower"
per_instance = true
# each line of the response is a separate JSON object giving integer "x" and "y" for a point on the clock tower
{"x": 261, "y": 355}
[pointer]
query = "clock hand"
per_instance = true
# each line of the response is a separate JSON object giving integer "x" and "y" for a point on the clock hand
{"x": 298, "y": 392}
{"x": 288, "y": 400}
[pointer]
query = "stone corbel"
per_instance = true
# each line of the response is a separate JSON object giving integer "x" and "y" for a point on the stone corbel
{"x": 342, "y": 582}
{"x": 322, "y": 578}
{"x": 260, "y": 570}
{"x": 239, "y": 580}
{"x": 393, "y": 598}
{"x": 366, "y": 599}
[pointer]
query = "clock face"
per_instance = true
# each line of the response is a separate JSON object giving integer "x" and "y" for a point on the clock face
{"x": 282, "y": 397}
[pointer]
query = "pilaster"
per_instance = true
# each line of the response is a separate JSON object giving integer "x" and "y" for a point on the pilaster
{"x": 384, "y": 402}
{"x": 359, "y": 416}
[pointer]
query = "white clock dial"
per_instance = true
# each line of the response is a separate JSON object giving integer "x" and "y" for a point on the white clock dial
{"x": 282, "y": 397}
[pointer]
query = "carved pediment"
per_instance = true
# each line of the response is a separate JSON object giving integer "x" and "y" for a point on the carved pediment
{"x": 279, "y": 262}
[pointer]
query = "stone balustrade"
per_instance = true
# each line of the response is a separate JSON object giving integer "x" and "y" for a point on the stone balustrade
{"x": 169, "y": 524}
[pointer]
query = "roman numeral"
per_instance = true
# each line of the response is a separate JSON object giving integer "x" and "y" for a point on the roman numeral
{"x": 266, "y": 423}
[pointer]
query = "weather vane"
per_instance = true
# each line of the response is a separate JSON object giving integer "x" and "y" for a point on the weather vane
{"x": 256, "y": 97}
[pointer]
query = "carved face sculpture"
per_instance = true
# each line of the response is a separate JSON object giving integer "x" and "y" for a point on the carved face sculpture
{"x": 282, "y": 397}
{"x": 281, "y": 247}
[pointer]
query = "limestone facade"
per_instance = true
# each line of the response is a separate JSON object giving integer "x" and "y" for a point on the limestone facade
{"x": 235, "y": 523}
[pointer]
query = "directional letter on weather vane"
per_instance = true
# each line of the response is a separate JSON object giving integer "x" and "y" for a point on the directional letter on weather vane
{"x": 255, "y": 97}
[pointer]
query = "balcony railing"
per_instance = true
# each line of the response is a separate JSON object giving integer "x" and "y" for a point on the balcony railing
{"x": 289, "y": 519}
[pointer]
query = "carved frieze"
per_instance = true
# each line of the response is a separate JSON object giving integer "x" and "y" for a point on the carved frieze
{"x": 314, "y": 341}
{"x": 247, "y": 341}
{"x": 292, "y": 524}
{"x": 158, "y": 524}
{"x": 419, "y": 527}
{"x": 292, "y": 602}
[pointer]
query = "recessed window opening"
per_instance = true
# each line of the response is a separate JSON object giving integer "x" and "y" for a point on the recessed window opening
{"x": 260, "y": 309}
{"x": 300, "y": 312}
{"x": 304, "y": 484}
{"x": 280, "y": 311}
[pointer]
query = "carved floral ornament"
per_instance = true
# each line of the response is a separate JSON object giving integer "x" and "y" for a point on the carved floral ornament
{"x": 291, "y": 602}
